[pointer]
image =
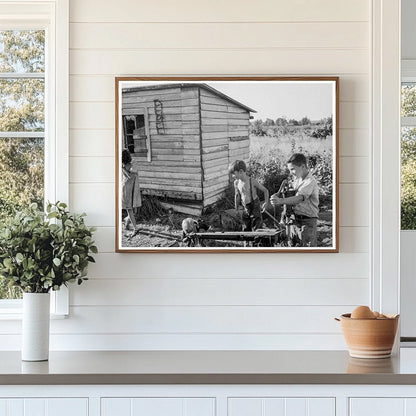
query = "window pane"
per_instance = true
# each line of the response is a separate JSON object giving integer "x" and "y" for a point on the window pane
{"x": 22, "y": 108}
{"x": 408, "y": 100}
{"x": 408, "y": 178}
{"x": 21, "y": 183}
{"x": 22, "y": 51}
{"x": 21, "y": 173}
{"x": 9, "y": 292}
{"x": 22, "y": 105}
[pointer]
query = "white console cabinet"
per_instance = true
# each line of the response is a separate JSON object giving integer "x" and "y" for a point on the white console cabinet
{"x": 208, "y": 400}
{"x": 382, "y": 406}
{"x": 44, "y": 407}
{"x": 177, "y": 406}
{"x": 208, "y": 383}
{"x": 236, "y": 406}
{"x": 273, "y": 406}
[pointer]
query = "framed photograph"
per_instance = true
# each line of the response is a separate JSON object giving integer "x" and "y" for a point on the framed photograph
{"x": 227, "y": 164}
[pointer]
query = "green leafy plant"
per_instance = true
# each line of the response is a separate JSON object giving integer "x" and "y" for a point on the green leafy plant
{"x": 43, "y": 251}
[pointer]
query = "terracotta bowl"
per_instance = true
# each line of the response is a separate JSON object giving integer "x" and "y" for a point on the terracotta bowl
{"x": 369, "y": 338}
{"x": 369, "y": 366}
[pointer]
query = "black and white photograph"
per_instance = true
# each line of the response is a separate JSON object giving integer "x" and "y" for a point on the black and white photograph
{"x": 227, "y": 164}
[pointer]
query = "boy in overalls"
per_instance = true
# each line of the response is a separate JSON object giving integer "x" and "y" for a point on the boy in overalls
{"x": 245, "y": 195}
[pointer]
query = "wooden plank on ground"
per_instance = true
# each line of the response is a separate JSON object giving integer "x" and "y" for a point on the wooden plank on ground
{"x": 184, "y": 209}
{"x": 238, "y": 235}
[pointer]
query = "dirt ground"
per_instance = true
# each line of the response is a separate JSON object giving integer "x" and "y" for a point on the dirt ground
{"x": 165, "y": 230}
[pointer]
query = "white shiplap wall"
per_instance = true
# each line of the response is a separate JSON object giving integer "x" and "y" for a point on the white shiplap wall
{"x": 222, "y": 301}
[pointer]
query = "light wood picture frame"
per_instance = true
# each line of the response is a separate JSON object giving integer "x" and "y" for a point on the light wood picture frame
{"x": 189, "y": 150}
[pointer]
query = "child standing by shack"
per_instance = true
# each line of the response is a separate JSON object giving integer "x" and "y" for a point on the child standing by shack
{"x": 245, "y": 194}
{"x": 305, "y": 202}
{"x": 131, "y": 197}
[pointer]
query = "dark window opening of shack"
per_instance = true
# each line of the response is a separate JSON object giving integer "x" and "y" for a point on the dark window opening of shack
{"x": 135, "y": 139}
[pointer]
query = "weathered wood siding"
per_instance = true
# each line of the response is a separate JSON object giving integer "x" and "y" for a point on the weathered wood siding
{"x": 225, "y": 138}
{"x": 175, "y": 168}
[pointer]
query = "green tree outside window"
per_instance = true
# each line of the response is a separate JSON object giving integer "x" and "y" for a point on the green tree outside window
{"x": 22, "y": 124}
{"x": 408, "y": 159}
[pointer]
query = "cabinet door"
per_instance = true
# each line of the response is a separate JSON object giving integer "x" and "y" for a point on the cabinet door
{"x": 254, "y": 406}
{"x": 382, "y": 406}
{"x": 160, "y": 406}
{"x": 44, "y": 407}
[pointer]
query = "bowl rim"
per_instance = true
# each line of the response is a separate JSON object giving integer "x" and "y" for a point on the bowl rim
{"x": 388, "y": 317}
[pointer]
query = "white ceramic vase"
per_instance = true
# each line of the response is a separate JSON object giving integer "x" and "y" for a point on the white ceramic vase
{"x": 35, "y": 326}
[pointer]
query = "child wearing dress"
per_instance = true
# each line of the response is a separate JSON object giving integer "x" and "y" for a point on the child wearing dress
{"x": 131, "y": 197}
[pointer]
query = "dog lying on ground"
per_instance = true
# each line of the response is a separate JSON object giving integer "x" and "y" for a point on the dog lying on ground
{"x": 190, "y": 227}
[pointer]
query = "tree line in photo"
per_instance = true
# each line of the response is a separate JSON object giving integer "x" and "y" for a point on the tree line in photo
{"x": 283, "y": 126}
{"x": 272, "y": 143}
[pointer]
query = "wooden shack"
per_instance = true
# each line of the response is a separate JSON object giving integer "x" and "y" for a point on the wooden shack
{"x": 182, "y": 138}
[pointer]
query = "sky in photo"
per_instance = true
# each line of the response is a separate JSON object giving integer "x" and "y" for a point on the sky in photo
{"x": 274, "y": 99}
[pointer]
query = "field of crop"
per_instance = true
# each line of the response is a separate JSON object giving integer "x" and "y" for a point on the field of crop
{"x": 268, "y": 157}
{"x": 267, "y": 163}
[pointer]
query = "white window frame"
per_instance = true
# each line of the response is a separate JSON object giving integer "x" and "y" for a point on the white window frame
{"x": 408, "y": 75}
{"x": 53, "y": 17}
{"x": 385, "y": 150}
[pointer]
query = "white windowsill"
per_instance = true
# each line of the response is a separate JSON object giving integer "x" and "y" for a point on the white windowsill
{"x": 11, "y": 309}
{"x": 11, "y": 315}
